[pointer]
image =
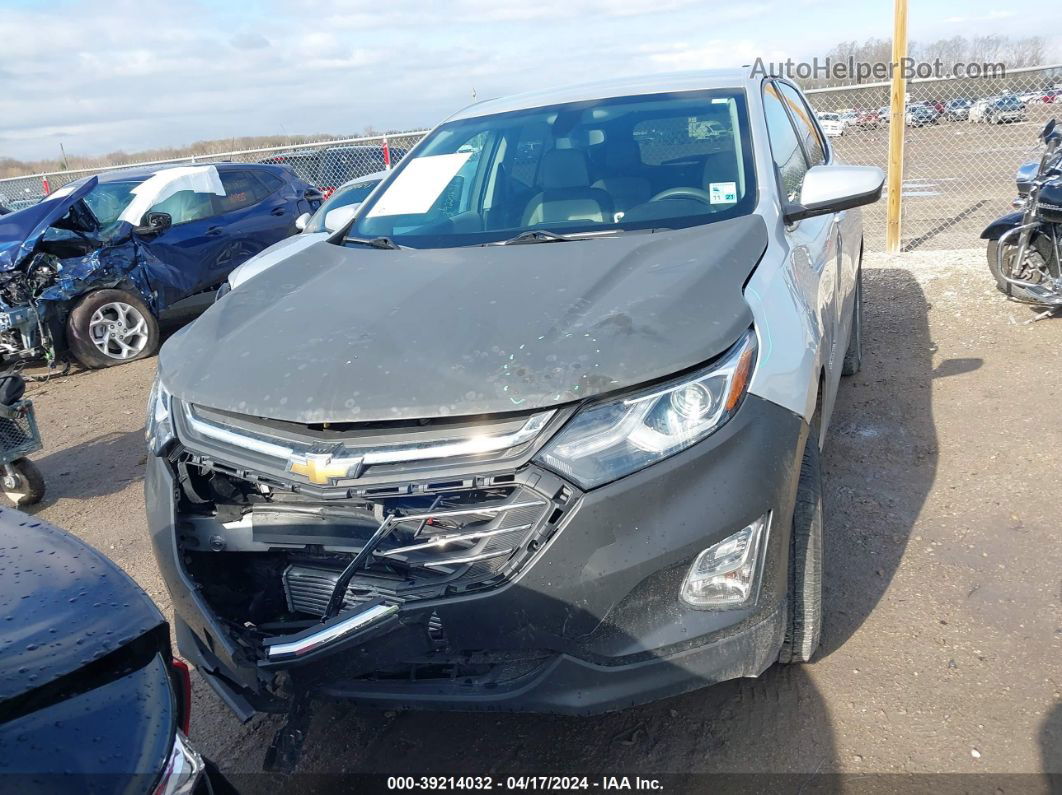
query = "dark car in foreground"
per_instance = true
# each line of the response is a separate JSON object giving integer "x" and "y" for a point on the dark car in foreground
{"x": 539, "y": 429}
{"x": 93, "y": 268}
{"x": 91, "y": 698}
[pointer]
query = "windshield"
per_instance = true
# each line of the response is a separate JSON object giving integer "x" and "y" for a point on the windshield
{"x": 107, "y": 200}
{"x": 655, "y": 161}
{"x": 352, "y": 193}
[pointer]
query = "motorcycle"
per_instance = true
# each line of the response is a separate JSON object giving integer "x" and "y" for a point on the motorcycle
{"x": 20, "y": 480}
{"x": 1025, "y": 246}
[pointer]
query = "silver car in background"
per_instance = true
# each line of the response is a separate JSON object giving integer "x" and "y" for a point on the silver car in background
{"x": 333, "y": 214}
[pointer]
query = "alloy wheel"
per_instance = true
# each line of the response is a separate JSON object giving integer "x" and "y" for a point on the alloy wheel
{"x": 118, "y": 330}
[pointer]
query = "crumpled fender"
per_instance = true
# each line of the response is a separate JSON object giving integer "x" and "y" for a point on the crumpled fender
{"x": 114, "y": 265}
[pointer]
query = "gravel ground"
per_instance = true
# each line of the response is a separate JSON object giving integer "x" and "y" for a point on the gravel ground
{"x": 943, "y": 647}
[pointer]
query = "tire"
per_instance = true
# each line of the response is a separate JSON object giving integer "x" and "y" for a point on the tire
{"x": 1011, "y": 290}
{"x": 110, "y": 327}
{"x": 853, "y": 357}
{"x": 803, "y": 632}
{"x": 27, "y": 486}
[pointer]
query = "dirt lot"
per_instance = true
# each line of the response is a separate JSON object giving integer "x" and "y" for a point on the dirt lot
{"x": 943, "y": 647}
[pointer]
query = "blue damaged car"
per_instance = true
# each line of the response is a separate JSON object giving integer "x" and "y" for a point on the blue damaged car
{"x": 92, "y": 269}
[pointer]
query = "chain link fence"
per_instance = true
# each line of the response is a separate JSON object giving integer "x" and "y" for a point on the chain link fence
{"x": 964, "y": 140}
{"x": 324, "y": 164}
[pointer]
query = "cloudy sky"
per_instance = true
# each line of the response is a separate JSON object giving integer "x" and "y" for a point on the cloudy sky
{"x": 135, "y": 74}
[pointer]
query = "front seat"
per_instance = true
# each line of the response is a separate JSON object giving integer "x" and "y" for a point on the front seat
{"x": 565, "y": 192}
{"x": 623, "y": 161}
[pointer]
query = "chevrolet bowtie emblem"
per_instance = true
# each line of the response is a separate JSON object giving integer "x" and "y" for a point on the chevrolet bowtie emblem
{"x": 323, "y": 468}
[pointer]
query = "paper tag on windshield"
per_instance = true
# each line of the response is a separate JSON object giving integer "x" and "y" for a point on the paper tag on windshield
{"x": 722, "y": 192}
{"x": 419, "y": 185}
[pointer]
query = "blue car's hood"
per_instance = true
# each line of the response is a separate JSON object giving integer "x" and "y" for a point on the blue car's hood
{"x": 21, "y": 231}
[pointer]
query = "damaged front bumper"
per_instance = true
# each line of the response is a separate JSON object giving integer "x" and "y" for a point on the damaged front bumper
{"x": 570, "y": 605}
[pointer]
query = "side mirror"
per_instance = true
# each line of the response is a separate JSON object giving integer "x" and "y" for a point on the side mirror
{"x": 831, "y": 189}
{"x": 341, "y": 216}
{"x": 301, "y": 221}
{"x": 1048, "y": 129}
{"x": 154, "y": 223}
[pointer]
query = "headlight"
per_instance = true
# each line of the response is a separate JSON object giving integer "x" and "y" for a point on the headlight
{"x": 606, "y": 441}
{"x": 159, "y": 431}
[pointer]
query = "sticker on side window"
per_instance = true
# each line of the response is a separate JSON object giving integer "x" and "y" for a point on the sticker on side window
{"x": 419, "y": 185}
{"x": 722, "y": 192}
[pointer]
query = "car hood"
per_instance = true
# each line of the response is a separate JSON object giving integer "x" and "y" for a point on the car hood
{"x": 21, "y": 231}
{"x": 64, "y": 604}
{"x": 337, "y": 334}
{"x": 274, "y": 254}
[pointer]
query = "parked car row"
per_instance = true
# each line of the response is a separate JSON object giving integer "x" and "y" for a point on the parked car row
{"x": 995, "y": 110}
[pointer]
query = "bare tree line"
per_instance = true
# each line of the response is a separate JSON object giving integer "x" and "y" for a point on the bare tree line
{"x": 10, "y": 167}
{"x": 1013, "y": 53}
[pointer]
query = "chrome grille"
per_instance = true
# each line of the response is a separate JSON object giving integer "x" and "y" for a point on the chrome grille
{"x": 425, "y": 550}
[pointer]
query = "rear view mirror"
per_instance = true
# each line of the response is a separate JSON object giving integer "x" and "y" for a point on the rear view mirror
{"x": 154, "y": 223}
{"x": 831, "y": 189}
{"x": 339, "y": 217}
{"x": 301, "y": 221}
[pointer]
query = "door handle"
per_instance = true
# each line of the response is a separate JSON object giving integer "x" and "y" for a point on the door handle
{"x": 214, "y": 231}
{"x": 279, "y": 210}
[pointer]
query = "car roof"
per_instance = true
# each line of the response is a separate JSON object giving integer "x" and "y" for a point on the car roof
{"x": 141, "y": 172}
{"x": 615, "y": 87}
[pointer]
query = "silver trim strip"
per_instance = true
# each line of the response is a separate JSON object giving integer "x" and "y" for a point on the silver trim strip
{"x": 434, "y": 564}
{"x": 492, "y": 509}
{"x": 443, "y": 540}
{"x": 330, "y": 634}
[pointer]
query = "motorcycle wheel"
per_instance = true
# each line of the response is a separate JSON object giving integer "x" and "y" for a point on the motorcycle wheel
{"x": 25, "y": 486}
{"x": 1042, "y": 249}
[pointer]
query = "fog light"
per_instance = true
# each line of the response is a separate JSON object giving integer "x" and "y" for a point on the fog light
{"x": 727, "y": 574}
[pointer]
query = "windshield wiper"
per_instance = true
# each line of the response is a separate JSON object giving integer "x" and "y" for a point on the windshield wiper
{"x": 545, "y": 236}
{"x": 537, "y": 236}
{"x": 374, "y": 242}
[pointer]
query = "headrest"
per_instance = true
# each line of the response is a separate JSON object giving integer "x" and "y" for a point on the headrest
{"x": 564, "y": 168}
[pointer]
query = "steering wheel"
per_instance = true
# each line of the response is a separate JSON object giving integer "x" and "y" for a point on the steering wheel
{"x": 689, "y": 193}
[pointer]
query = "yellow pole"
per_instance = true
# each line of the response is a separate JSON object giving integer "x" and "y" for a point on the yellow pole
{"x": 897, "y": 106}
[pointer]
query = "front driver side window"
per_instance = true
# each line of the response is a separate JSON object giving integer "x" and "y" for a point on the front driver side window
{"x": 785, "y": 146}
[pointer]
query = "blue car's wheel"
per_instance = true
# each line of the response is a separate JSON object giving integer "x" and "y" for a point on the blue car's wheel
{"x": 110, "y": 327}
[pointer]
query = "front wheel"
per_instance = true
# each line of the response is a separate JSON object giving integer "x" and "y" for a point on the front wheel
{"x": 23, "y": 483}
{"x": 853, "y": 357}
{"x": 1035, "y": 269}
{"x": 110, "y": 327}
{"x": 803, "y": 632}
